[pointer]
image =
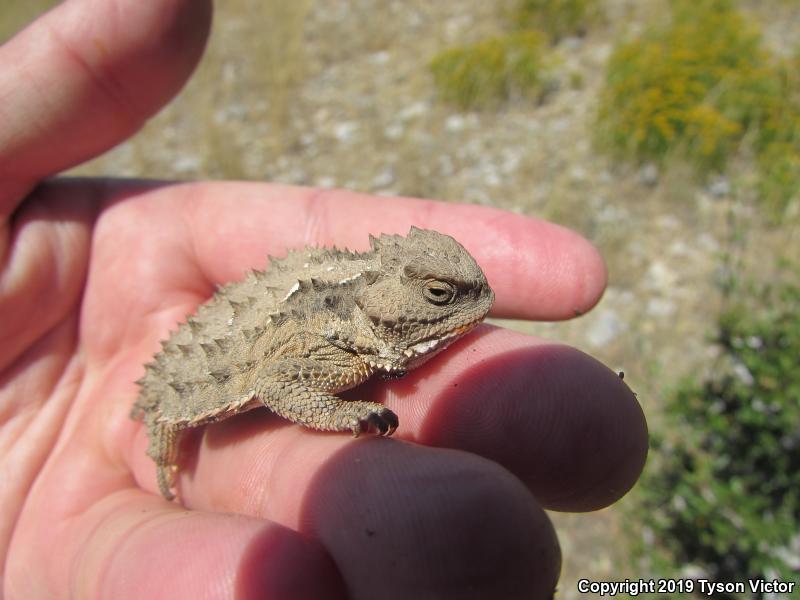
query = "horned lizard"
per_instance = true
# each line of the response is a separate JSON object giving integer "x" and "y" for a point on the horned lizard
{"x": 314, "y": 324}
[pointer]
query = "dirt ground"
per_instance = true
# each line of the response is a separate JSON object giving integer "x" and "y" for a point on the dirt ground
{"x": 338, "y": 94}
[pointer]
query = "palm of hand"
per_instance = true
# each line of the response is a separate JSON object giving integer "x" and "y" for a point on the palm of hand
{"x": 99, "y": 272}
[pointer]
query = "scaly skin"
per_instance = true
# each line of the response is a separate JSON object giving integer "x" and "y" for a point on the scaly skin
{"x": 317, "y": 323}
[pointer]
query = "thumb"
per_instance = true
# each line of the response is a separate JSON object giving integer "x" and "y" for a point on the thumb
{"x": 87, "y": 75}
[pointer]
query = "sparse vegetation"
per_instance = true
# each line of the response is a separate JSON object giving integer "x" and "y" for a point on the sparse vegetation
{"x": 721, "y": 493}
{"x": 778, "y": 141}
{"x": 690, "y": 85}
{"x": 698, "y": 87}
{"x": 556, "y": 18}
{"x": 492, "y": 70}
{"x": 498, "y": 68}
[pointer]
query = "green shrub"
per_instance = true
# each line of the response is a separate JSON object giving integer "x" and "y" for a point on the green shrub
{"x": 778, "y": 140}
{"x": 491, "y": 70}
{"x": 694, "y": 85}
{"x": 701, "y": 86}
{"x": 722, "y": 492}
{"x": 779, "y": 182}
{"x": 556, "y": 18}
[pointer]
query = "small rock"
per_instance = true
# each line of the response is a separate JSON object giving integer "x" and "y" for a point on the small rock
{"x": 345, "y": 132}
{"x": 609, "y": 213}
{"x": 414, "y": 110}
{"x": 492, "y": 178}
{"x": 669, "y": 222}
{"x": 577, "y": 174}
{"x": 326, "y": 182}
{"x": 455, "y": 123}
{"x": 446, "y": 165}
{"x": 393, "y": 131}
{"x": 744, "y": 375}
{"x": 379, "y": 58}
{"x": 648, "y": 175}
{"x": 658, "y": 307}
{"x": 384, "y": 178}
{"x": 707, "y": 243}
{"x": 511, "y": 158}
{"x": 719, "y": 187}
{"x": 606, "y": 327}
{"x": 659, "y": 276}
{"x": 572, "y": 43}
{"x": 186, "y": 164}
{"x": 691, "y": 571}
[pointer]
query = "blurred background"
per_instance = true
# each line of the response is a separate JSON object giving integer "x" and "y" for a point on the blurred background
{"x": 666, "y": 132}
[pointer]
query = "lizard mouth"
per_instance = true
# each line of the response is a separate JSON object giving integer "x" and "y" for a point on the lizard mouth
{"x": 424, "y": 350}
{"x": 435, "y": 344}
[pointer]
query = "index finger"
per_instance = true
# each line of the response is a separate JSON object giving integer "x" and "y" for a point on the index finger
{"x": 538, "y": 270}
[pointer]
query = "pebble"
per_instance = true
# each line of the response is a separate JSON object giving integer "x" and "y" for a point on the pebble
{"x": 648, "y": 175}
{"x": 719, "y": 187}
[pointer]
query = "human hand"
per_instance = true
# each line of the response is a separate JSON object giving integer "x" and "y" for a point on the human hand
{"x": 95, "y": 272}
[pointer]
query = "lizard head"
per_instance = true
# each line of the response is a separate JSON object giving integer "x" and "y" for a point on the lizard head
{"x": 428, "y": 292}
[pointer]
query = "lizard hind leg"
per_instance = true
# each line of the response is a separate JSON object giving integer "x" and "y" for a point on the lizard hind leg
{"x": 163, "y": 449}
{"x": 303, "y": 400}
{"x": 326, "y": 412}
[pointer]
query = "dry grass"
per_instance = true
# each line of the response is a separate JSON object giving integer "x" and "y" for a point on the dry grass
{"x": 233, "y": 117}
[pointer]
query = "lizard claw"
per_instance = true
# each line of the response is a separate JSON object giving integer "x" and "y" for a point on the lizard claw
{"x": 377, "y": 418}
{"x": 383, "y": 421}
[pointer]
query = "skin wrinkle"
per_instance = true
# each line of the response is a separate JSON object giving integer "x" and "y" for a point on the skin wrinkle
{"x": 171, "y": 307}
{"x": 41, "y": 426}
{"x": 38, "y": 123}
{"x": 316, "y": 211}
{"x": 130, "y": 116}
{"x": 86, "y": 557}
{"x": 57, "y": 280}
{"x": 193, "y": 224}
{"x": 114, "y": 419}
{"x": 26, "y": 391}
{"x": 34, "y": 121}
{"x": 192, "y": 255}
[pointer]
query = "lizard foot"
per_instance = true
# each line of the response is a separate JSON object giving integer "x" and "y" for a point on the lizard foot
{"x": 373, "y": 417}
{"x": 384, "y": 422}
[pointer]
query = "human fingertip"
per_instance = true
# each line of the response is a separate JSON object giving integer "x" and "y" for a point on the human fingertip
{"x": 281, "y": 564}
{"x": 580, "y": 271}
{"x": 592, "y": 276}
{"x": 443, "y": 523}
{"x": 174, "y": 553}
{"x": 560, "y": 420}
{"x": 605, "y": 439}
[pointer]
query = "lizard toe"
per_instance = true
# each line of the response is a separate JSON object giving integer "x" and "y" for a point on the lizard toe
{"x": 383, "y": 420}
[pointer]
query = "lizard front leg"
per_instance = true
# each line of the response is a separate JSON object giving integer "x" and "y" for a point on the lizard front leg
{"x": 302, "y": 390}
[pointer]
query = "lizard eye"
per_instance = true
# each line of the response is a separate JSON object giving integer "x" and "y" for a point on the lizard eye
{"x": 438, "y": 292}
